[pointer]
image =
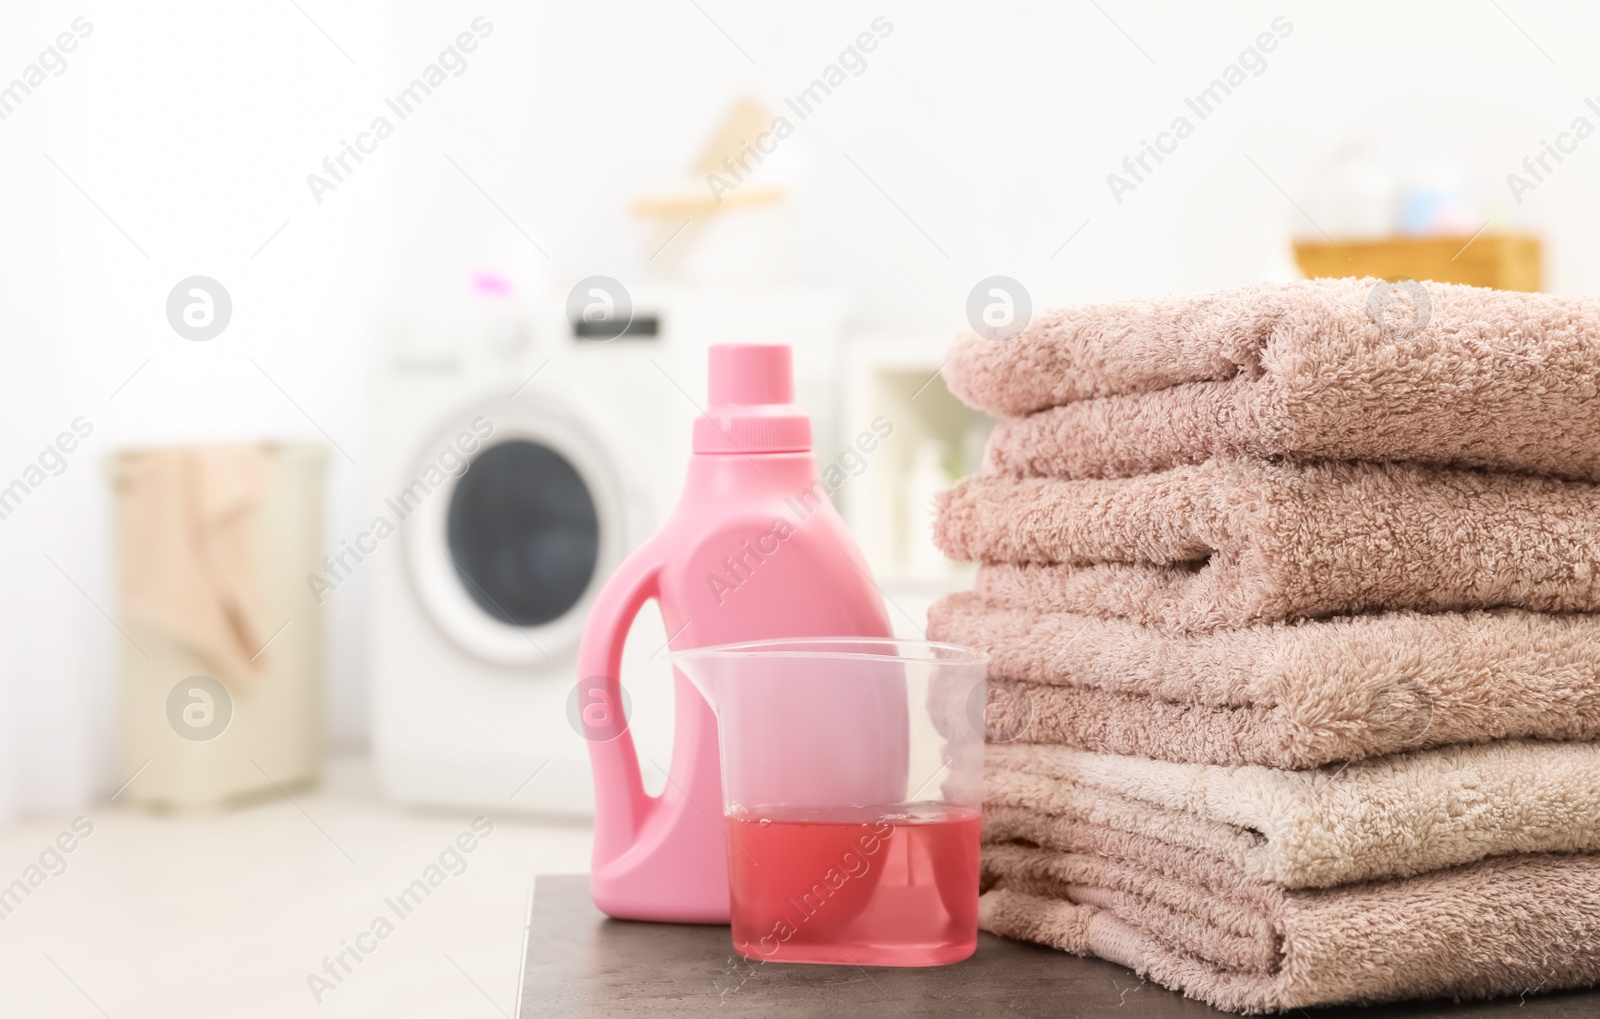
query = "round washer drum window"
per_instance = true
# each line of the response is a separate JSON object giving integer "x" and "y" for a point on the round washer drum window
{"x": 523, "y": 533}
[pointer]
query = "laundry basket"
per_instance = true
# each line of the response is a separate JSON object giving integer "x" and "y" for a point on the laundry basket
{"x": 222, "y": 661}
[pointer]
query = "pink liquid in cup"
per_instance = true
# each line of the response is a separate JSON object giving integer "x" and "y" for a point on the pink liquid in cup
{"x": 868, "y": 887}
{"x": 811, "y": 728}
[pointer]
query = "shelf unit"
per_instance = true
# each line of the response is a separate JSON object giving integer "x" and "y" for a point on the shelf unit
{"x": 897, "y": 379}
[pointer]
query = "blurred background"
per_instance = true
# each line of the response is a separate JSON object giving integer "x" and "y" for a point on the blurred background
{"x": 271, "y": 274}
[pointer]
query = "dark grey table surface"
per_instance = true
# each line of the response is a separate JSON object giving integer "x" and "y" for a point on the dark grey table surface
{"x": 578, "y": 963}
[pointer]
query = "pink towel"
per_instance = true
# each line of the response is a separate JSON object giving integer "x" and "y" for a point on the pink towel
{"x": 1342, "y": 369}
{"x": 1235, "y": 542}
{"x": 1286, "y": 695}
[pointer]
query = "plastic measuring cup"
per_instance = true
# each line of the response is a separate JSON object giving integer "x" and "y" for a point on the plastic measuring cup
{"x": 852, "y": 781}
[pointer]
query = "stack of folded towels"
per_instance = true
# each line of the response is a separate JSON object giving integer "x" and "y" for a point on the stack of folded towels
{"x": 1289, "y": 589}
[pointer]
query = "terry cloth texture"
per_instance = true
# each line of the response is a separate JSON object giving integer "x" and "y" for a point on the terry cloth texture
{"x": 1501, "y": 926}
{"x": 1237, "y": 542}
{"x": 1341, "y": 369}
{"x": 1288, "y": 695}
{"x": 1391, "y": 817}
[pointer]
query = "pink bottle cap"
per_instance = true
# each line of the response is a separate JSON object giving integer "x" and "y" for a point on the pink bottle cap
{"x": 752, "y": 402}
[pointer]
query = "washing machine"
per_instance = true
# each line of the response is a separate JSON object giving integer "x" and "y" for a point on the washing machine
{"x": 517, "y": 463}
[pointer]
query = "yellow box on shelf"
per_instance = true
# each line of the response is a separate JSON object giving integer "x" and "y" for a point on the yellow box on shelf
{"x": 1500, "y": 261}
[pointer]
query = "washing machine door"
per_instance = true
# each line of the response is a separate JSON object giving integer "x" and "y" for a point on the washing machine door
{"x": 507, "y": 556}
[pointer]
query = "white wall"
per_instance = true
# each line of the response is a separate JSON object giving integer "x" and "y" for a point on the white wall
{"x": 192, "y": 126}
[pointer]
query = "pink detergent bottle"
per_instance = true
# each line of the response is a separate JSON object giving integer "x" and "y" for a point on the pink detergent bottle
{"x": 754, "y": 550}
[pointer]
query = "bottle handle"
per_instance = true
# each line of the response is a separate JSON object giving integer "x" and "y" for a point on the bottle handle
{"x": 620, "y": 803}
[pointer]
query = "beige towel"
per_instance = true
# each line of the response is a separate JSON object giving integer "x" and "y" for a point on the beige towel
{"x": 1389, "y": 817}
{"x": 190, "y": 563}
{"x": 1235, "y": 542}
{"x": 1196, "y": 876}
{"x": 1504, "y": 926}
{"x": 1341, "y": 369}
{"x": 1286, "y": 695}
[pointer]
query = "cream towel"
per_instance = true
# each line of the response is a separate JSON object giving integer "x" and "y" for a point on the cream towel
{"x": 1235, "y": 542}
{"x": 192, "y": 569}
{"x": 1341, "y": 369}
{"x": 1389, "y": 817}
